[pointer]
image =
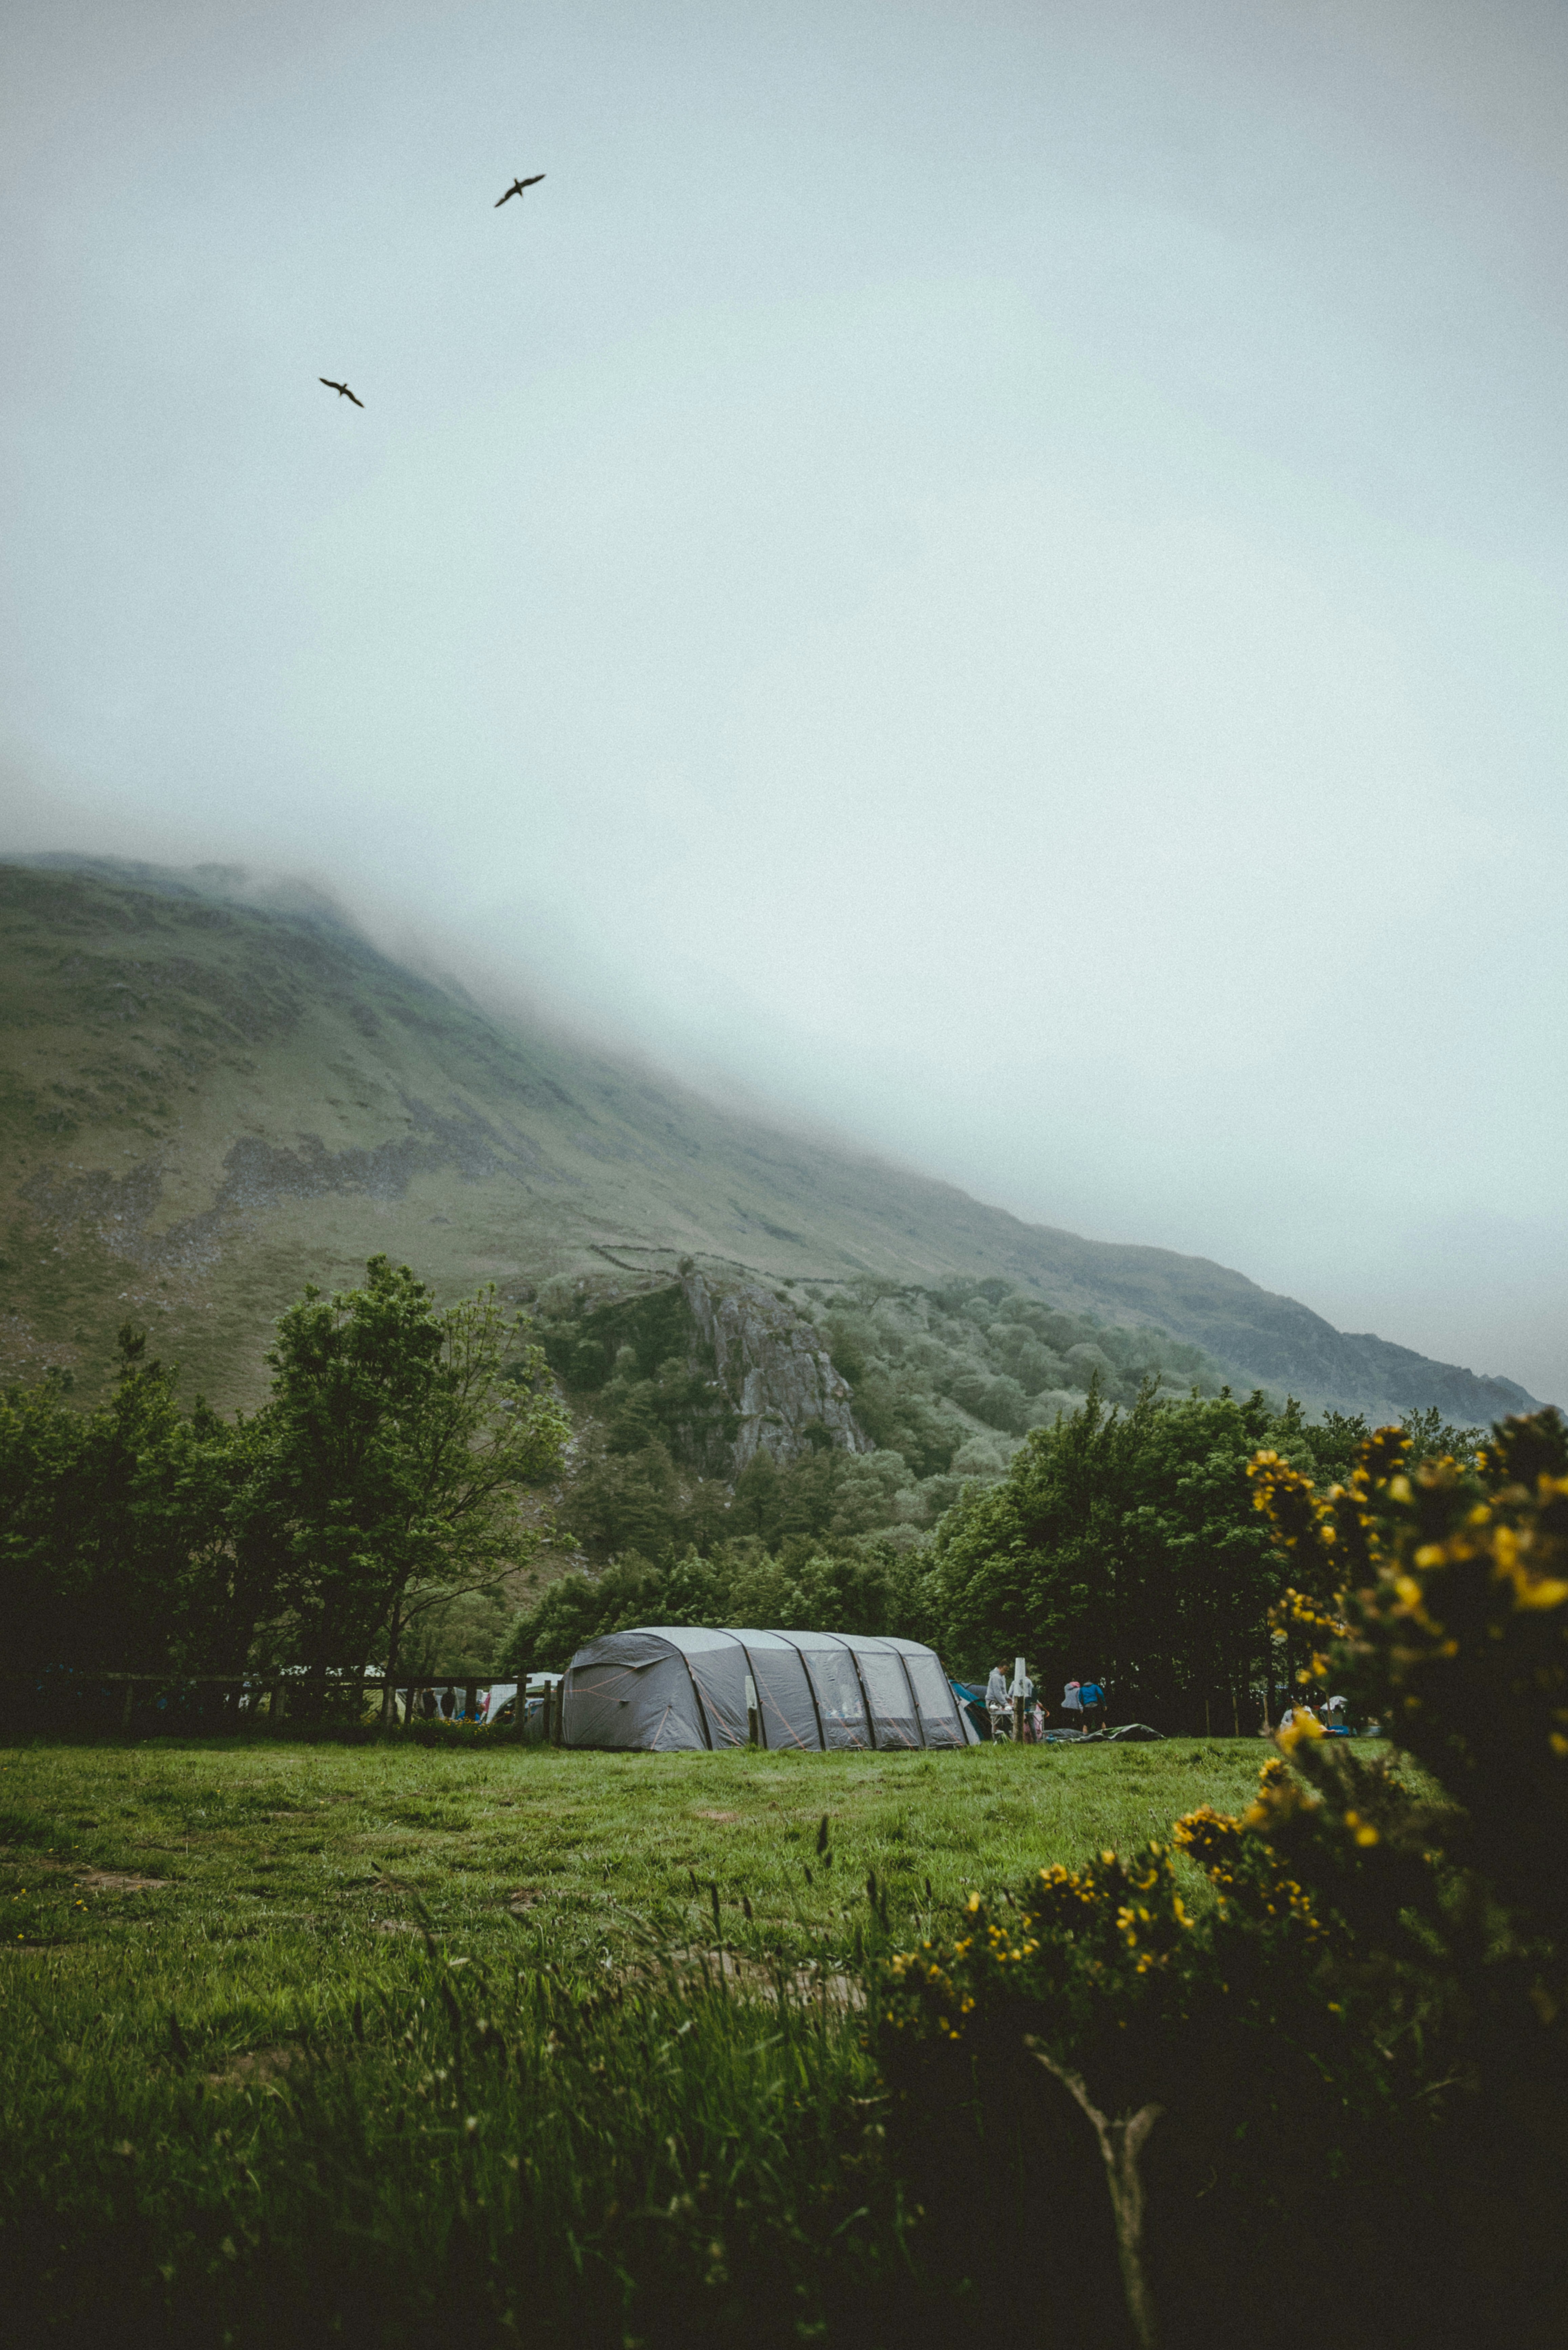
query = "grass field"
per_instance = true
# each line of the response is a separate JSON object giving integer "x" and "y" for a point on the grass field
{"x": 280, "y": 1862}
{"x": 302, "y": 2040}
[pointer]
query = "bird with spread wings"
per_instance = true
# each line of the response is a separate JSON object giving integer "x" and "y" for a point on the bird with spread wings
{"x": 516, "y": 189}
{"x": 341, "y": 388}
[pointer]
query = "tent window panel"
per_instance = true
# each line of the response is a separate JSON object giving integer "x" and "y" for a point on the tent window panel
{"x": 833, "y": 1676}
{"x": 722, "y": 1682}
{"x": 784, "y": 1700}
{"x": 889, "y": 1694}
{"x": 939, "y": 1708}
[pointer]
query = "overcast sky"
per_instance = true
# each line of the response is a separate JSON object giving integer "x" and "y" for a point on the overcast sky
{"x": 994, "y": 574}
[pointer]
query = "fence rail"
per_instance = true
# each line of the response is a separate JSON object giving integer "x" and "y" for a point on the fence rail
{"x": 274, "y": 1690}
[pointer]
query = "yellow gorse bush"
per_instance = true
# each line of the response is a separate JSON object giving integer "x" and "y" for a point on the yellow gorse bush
{"x": 1438, "y": 1592}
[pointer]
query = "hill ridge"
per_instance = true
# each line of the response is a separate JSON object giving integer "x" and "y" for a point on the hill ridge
{"x": 290, "y": 1098}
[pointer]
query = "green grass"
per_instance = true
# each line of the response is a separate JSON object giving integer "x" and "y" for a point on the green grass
{"x": 289, "y": 1863}
{"x": 414, "y": 2041}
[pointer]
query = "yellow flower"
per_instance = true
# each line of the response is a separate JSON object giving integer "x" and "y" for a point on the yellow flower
{"x": 1539, "y": 1591}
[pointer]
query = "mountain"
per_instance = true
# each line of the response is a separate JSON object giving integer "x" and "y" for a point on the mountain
{"x": 211, "y": 1092}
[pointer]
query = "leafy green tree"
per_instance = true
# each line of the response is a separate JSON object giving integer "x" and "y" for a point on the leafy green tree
{"x": 640, "y": 1501}
{"x": 394, "y": 1460}
{"x": 575, "y": 1609}
{"x": 1125, "y": 1543}
{"x": 118, "y": 1543}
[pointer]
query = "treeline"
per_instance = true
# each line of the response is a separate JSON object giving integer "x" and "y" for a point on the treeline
{"x": 1120, "y": 1543}
{"x": 867, "y": 1587}
{"x": 945, "y": 1382}
{"x": 383, "y": 1479}
{"x": 934, "y": 1370}
{"x": 376, "y": 1510}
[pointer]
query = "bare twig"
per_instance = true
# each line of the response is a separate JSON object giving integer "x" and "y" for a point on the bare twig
{"x": 1120, "y": 2143}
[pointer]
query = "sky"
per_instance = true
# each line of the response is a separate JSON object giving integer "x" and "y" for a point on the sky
{"x": 990, "y": 577}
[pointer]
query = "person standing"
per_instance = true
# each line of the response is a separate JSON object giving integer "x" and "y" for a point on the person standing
{"x": 1020, "y": 1695}
{"x": 1073, "y": 1708}
{"x": 1092, "y": 1698}
{"x": 996, "y": 1699}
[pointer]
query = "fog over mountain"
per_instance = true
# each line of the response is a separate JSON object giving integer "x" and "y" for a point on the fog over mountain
{"x": 214, "y": 1088}
{"x": 988, "y": 580}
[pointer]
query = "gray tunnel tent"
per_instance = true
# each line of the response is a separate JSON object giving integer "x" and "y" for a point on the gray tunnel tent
{"x": 663, "y": 1689}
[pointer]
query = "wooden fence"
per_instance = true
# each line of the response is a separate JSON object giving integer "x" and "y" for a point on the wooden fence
{"x": 269, "y": 1694}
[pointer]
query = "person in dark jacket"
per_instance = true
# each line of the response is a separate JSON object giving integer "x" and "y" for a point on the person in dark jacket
{"x": 1092, "y": 1697}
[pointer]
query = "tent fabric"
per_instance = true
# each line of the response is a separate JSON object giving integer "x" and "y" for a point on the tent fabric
{"x": 942, "y": 1721}
{"x": 890, "y": 1698}
{"x": 786, "y": 1710}
{"x": 835, "y": 1686}
{"x": 679, "y": 1688}
{"x": 651, "y": 1704}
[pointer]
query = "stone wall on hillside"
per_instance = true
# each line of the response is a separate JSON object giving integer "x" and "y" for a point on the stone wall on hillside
{"x": 774, "y": 1371}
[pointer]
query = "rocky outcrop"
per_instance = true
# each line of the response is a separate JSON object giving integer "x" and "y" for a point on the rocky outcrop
{"x": 775, "y": 1373}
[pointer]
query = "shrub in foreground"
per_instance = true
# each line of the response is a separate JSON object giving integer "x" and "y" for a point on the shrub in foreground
{"x": 1330, "y": 2084}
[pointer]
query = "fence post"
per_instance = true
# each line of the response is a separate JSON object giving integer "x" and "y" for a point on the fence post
{"x": 520, "y": 1712}
{"x": 470, "y": 1702}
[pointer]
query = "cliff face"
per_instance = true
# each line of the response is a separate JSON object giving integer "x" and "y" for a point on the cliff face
{"x": 773, "y": 1372}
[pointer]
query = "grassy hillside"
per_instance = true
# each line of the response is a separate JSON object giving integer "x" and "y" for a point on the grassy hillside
{"x": 205, "y": 1102}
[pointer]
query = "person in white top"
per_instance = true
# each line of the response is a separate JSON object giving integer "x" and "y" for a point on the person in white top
{"x": 1072, "y": 1706}
{"x": 996, "y": 1696}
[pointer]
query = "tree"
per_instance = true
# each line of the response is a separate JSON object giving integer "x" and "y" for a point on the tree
{"x": 118, "y": 1545}
{"x": 394, "y": 1455}
{"x": 1125, "y": 1543}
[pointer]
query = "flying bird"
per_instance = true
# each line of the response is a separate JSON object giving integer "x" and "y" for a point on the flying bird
{"x": 516, "y": 189}
{"x": 341, "y": 388}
